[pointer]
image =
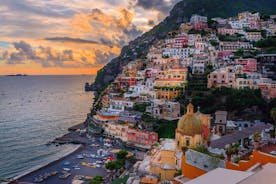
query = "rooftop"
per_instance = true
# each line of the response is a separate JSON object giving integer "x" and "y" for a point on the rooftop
{"x": 266, "y": 175}
{"x": 149, "y": 180}
{"x": 237, "y": 135}
{"x": 221, "y": 175}
{"x": 168, "y": 144}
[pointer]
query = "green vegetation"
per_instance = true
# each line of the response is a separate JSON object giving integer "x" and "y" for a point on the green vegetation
{"x": 268, "y": 44}
{"x": 201, "y": 32}
{"x": 251, "y": 30}
{"x": 178, "y": 173}
{"x": 121, "y": 155}
{"x": 230, "y": 38}
{"x": 120, "y": 161}
{"x": 214, "y": 43}
{"x": 114, "y": 165}
{"x": 121, "y": 180}
{"x": 141, "y": 107}
{"x": 165, "y": 128}
{"x": 235, "y": 101}
{"x": 96, "y": 180}
{"x": 203, "y": 149}
{"x": 246, "y": 54}
{"x": 168, "y": 87}
{"x": 230, "y": 99}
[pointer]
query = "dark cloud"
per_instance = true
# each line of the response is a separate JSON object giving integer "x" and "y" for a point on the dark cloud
{"x": 101, "y": 56}
{"x": 163, "y": 6}
{"x": 151, "y": 23}
{"x": 48, "y": 57}
{"x": 68, "y": 39}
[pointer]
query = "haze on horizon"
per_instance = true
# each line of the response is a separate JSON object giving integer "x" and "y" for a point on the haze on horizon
{"x": 71, "y": 36}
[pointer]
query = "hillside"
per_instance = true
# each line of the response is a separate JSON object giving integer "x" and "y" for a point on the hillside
{"x": 181, "y": 12}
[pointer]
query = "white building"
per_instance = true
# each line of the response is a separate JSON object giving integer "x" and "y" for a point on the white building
{"x": 120, "y": 104}
{"x": 182, "y": 53}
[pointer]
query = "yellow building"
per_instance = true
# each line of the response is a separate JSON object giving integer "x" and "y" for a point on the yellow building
{"x": 116, "y": 130}
{"x": 167, "y": 93}
{"x": 192, "y": 129}
{"x": 164, "y": 162}
{"x": 172, "y": 78}
{"x": 170, "y": 83}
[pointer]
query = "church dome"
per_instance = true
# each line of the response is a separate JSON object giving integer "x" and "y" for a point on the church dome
{"x": 189, "y": 124}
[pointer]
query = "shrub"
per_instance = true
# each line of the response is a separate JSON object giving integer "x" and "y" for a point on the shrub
{"x": 96, "y": 180}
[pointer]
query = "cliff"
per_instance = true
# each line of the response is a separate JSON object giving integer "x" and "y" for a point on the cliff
{"x": 181, "y": 12}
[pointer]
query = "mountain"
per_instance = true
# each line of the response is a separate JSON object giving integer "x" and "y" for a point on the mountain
{"x": 181, "y": 12}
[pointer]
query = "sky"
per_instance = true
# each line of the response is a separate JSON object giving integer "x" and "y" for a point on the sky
{"x": 60, "y": 37}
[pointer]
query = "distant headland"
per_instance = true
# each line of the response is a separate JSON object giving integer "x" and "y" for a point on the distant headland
{"x": 17, "y": 75}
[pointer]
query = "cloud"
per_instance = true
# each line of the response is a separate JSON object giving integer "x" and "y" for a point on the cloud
{"x": 163, "y": 6}
{"x": 151, "y": 22}
{"x": 103, "y": 56}
{"x": 24, "y": 53}
{"x": 106, "y": 27}
{"x": 68, "y": 39}
{"x": 37, "y": 8}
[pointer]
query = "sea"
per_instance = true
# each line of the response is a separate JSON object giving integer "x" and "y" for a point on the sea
{"x": 34, "y": 110}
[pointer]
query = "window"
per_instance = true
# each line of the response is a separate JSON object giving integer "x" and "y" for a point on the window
{"x": 187, "y": 142}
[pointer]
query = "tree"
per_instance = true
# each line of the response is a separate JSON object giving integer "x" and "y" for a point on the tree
{"x": 273, "y": 116}
{"x": 96, "y": 180}
{"x": 229, "y": 152}
{"x": 121, "y": 155}
{"x": 111, "y": 165}
{"x": 214, "y": 43}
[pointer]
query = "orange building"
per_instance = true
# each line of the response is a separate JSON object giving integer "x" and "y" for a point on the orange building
{"x": 257, "y": 157}
{"x": 167, "y": 93}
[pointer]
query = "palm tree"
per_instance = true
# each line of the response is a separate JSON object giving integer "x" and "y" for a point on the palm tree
{"x": 229, "y": 152}
{"x": 273, "y": 116}
{"x": 257, "y": 139}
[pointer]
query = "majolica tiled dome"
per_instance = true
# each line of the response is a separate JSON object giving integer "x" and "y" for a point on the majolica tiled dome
{"x": 189, "y": 124}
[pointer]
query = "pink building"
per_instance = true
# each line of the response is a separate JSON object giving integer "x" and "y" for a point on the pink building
{"x": 180, "y": 41}
{"x": 199, "y": 22}
{"x": 140, "y": 137}
{"x": 249, "y": 64}
{"x": 224, "y": 54}
{"x": 254, "y": 22}
{"x": 225, "y": 31}
{"x": 222, "y": 77}
{"x": 124, "y": 82}
{"x": 268, "y": 90}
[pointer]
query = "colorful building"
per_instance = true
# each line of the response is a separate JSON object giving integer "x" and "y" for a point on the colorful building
{"x": 229, "y": 31}
{"x": 199, "y": 22}
{"x": 172, "y": 77}
{"x": 222, "y": 77}
{"x": 164, "y": 161}
{"x": 141, "y": 138}
{"x": 119, "y": 104}
{"x": 163, "y": 109}
{"x": 249, "y": 64}
{"x": 116, "y": 130}
{"x": 192, "y": 129}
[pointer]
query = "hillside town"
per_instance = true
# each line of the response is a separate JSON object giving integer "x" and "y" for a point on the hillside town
{"x": 150, "y": 105}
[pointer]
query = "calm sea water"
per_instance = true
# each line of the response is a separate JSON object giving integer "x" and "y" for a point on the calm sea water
{"x": 33, "y": 111}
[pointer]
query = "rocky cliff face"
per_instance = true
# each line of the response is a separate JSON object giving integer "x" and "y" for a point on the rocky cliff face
{"x": 181, "y": 12}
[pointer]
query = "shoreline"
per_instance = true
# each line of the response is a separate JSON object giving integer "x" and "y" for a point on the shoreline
{"x": 39, "y": 167}
{"x": 79, "y": 147}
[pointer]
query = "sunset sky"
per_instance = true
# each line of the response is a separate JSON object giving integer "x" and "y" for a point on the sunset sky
{"x": 71, "y": 36}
